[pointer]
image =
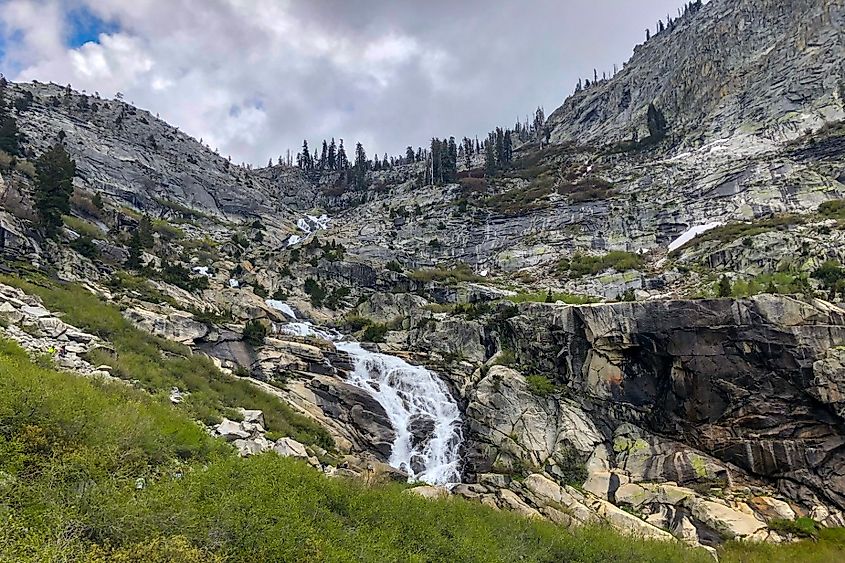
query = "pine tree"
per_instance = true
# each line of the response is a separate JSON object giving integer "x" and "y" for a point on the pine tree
{"x": 360, "y": 170}
{"x": 656, "y": 123}
{"x": 409, "y": 155}
{"x": 452, "y": 154}
{"x": 490, "y": 159}
{"x": 332, "y": 156}
{"x": 436, "y": 162}
{"x": 9, "y": 136}
{"x": 342, "y": 160}
{"x": 500, "y": 147}
{"x": 507, "y": 147}
{"x": 53, "y": 187}
{"x": 305, "y": 160}
{"x": 724, "y": 288}
{"x": 145, "y": 232}
{"x": 133, "y": 262}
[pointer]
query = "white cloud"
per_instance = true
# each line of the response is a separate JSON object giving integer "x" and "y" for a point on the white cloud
{"x": 256, "y": 76}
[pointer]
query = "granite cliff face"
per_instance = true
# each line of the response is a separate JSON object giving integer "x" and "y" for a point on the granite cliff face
{"x": 705, "y": 418}
{"x": 767, "y": 67}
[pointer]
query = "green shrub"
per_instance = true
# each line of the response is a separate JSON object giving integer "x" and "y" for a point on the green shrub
{"x": 315, "y": 291}
{"x": 833, "y": 209}
{"x": 83, "y": 228}
{"x": 85, "y": 246}
{"x": 582, "y": 264}
{"x": 167, "y": 231}
{"x": 375, "y": 332}
{"x": 541, "y": 385}
{"x": 802, "y": 527}
{"x": 254, "y": 333}
{"x": 505, "y": 358}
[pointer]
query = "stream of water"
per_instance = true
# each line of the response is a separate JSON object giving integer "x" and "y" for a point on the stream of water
{"x": 421, "y": 410}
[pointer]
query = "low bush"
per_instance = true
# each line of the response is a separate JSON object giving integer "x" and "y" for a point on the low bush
{"x": 254, "y": 333}
{"x": 83, "y": 228}
{"x": 541, "y": 385}
{"x": 617, "y": 260}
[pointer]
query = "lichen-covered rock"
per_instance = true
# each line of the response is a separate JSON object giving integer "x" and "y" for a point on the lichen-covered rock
{"x": 511, "y": 425}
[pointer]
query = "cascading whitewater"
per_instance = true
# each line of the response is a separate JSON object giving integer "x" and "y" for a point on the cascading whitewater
{"x": 421, "y": 410}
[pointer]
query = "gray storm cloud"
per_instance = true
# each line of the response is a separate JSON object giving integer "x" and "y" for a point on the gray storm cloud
{"x": 255, "y": 77}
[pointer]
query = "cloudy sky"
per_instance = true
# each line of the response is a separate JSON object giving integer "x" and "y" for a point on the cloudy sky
{"x": 255, "y": 77}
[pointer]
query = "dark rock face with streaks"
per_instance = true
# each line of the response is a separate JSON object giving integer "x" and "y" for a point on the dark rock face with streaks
{"x": 756, "y": 383}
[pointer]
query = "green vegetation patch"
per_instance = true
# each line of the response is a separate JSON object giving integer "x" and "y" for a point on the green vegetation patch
{"x": 541, "y": 385}
{"x": 83, "y": 228}
{"x": 158, "y": 365}
{"x": 581, "y": 265}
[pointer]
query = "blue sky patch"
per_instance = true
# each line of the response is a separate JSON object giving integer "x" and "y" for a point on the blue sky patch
{"x": 85, "y": 27}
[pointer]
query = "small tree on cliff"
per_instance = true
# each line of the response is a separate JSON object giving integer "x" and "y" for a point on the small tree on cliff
{"x": 656, "y": 123}
{"x": 53, "y": 187}
{"x": 723, "y": 289}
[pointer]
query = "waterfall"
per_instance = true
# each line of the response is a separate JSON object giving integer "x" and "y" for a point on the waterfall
{"x": 420, "y": 408}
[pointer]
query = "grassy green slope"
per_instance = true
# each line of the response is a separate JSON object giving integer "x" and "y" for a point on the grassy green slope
{"x": 72, "y": 452}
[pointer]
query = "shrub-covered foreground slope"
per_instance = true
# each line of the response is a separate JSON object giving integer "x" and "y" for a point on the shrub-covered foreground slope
{"x": 91, "y": 471}
{"x": 96, "y": 471}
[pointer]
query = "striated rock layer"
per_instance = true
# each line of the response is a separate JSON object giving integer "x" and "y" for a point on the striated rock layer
{"x": 751, "y": 382}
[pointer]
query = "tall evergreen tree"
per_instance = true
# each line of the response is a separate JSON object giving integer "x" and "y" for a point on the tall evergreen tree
{"x": 133, "y": 262}
{"x": 305, "y": 161}
{"x": 500, "y": 147}
{"x": 507, "y": 147}
{"x": 490, "y": 159}
{"x": 53, "y": 187}
{"x": 409, "y": 155}
{"x": 342, "y": 160}
{"x": 452, "y": 170}
{"x": 9, "y": 136}
{"x": 324, "y": 156}
{"x": 436, "y": 162}
{"x": 332, "y": 156}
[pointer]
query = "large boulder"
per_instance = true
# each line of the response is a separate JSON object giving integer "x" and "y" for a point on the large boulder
{"x": 171, "y": 325}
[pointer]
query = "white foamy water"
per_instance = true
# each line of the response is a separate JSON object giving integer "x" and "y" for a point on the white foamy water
{"x": 420, "y": 408}
{"x": 281, "y": 306}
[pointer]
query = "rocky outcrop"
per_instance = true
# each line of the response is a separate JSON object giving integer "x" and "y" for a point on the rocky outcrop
{"x": 734, "y": 379}
{"x": 751, "y": 65}
{"x": 24, "y": 319}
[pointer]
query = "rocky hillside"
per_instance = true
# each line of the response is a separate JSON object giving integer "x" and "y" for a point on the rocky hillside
{"x": 642, "y": 330}
{"x": 768, "y": 67}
